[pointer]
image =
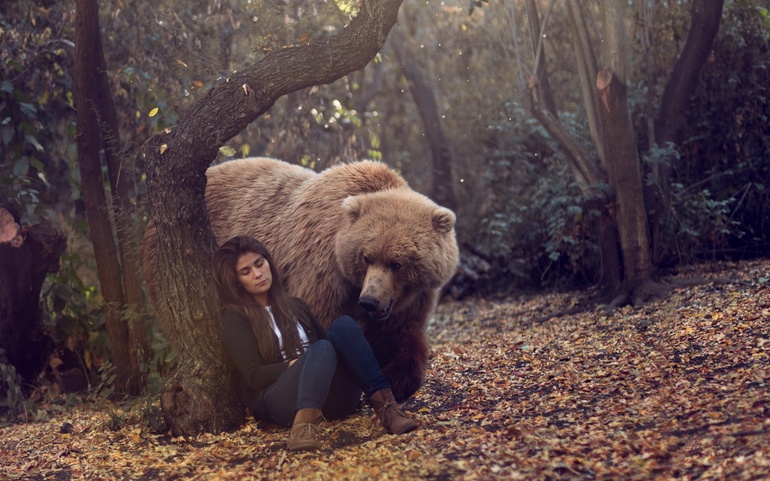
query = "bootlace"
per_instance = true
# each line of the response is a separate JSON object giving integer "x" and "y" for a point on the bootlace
{"x": 305, "y": 430}
{"x": 387, "y": 409}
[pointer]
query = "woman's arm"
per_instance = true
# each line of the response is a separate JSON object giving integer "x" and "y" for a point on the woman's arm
{"x": 242, "y": 346}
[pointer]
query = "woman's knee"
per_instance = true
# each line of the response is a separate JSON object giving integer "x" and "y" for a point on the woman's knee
{"x": 342, "y": 325}
{"x": 322, "y": 348}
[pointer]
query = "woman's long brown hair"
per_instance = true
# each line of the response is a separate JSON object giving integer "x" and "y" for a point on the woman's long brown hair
{"x": 228, "y": 293}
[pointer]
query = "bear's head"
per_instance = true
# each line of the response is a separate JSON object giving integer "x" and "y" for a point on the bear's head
{"x": 395, "y": 245}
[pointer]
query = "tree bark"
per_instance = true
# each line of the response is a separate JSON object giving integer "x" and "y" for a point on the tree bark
{"x": 587, "y": 68}
{"x": 624, "y": 167}
{"x": 200, "y": 395}
{"x": 540, "y": 72}
{"x": 704, "y": 26}
{"x": 121, "y": 185}
{"x": 87, "y": 101}
{"x": 425, "y": 98}
{"x": 706, "y": 17}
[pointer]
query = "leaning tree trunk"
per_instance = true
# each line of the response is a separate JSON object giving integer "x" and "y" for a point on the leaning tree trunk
{"x": 200, "y": 395}
{"x": 424, "y": 96}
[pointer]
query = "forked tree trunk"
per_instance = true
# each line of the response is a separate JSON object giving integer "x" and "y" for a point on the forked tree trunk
{"x": 586, "y": 168}
{"x": 606, "y": 101}
{"x": 626, "y": 180}
{"x": 200, "y": 395}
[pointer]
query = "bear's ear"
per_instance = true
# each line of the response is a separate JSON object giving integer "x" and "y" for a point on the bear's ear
{"x": 443, "y": 220}
{"x": 351, "y": 206}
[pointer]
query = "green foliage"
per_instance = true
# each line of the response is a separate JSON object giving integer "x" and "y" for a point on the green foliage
{"x": 11, "y": 396}
{"x": 162, "y": 358}
{"x": 725, "y": 154}
{"x": 103, "y": 388}
{"x": 694, "y": 223}
{"x": 698, "y": 224}
{"x": 35, "y": 105}
{"x": 537, "y": 226}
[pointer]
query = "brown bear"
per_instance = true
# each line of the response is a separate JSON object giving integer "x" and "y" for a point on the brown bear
{"x": 354, "y": 239}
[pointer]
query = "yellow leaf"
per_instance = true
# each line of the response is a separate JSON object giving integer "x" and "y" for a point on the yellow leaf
{"x": 423, "y": 410}
{"x": 163, "y": 148}
{"x": 153, "y": 112}
{"x": 181, "y": 63}
{"x": 227, "y": 151}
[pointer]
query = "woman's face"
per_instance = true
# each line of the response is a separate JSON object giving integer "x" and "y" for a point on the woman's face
{"x": 255, "y": 276}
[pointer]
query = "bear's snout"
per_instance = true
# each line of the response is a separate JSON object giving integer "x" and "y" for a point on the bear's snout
{"x": 369, "y": 303}
{"x": 372, "y": 305}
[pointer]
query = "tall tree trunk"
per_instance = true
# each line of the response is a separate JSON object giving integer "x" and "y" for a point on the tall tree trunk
{"x": 424, "y": 97}
{"x": 587, "y": 68}
{"x": 706, "y": 17}
{"x": 669, "y": 124}
{"x": 623, "y": 162}
{"x": 87, "y": 101}
{"x": 200, "y": 395}
{"x": 586, "y": 168}
{"x": 121, "y": 185}
{"x": 625, "y": 179}
{"x": 540, "y": 72}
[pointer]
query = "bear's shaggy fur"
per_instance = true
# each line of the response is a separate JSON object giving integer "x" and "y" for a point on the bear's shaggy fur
{"x": 353, "y": 239}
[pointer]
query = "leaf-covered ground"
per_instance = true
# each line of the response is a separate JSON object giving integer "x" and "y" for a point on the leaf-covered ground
{"x": 679, "y": 389}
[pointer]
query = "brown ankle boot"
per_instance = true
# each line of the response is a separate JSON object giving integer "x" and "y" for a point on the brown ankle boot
{"x": 304, "y": 431}
{"x": 390, "y": 413}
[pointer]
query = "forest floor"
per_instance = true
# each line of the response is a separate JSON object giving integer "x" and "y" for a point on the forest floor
{"x": 679, "y": 389}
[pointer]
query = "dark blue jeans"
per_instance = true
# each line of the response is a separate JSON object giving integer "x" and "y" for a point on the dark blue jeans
{"x": 329, "y": 376}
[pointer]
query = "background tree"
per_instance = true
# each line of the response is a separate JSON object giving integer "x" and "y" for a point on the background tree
{"x": 97, "y": 128}
{"x": 670, "y": 122}
{"x": 427, "y": 104}
{"x": 612, "y": 131}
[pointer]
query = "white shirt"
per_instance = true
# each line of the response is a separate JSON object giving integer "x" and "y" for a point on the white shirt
{"x": 302, "y": 335}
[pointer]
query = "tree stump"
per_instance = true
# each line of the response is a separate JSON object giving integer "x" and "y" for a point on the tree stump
{"x": 26, "y": 255}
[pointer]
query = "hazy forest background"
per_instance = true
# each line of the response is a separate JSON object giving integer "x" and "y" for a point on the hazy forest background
{"x": 453, "y": 100}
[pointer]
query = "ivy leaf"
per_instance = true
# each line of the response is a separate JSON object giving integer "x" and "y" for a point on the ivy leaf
{"x": 32, "y": 140}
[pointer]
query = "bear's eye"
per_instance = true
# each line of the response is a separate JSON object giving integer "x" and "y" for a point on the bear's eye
{"x": 366, "y": 260}
{"x": 394, "y": 266}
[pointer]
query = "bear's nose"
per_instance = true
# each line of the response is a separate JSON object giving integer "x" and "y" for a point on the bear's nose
{"x": 368, "y": 303}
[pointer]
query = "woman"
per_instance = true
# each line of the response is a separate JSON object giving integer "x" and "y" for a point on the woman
{"x": 293, "y": 373}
